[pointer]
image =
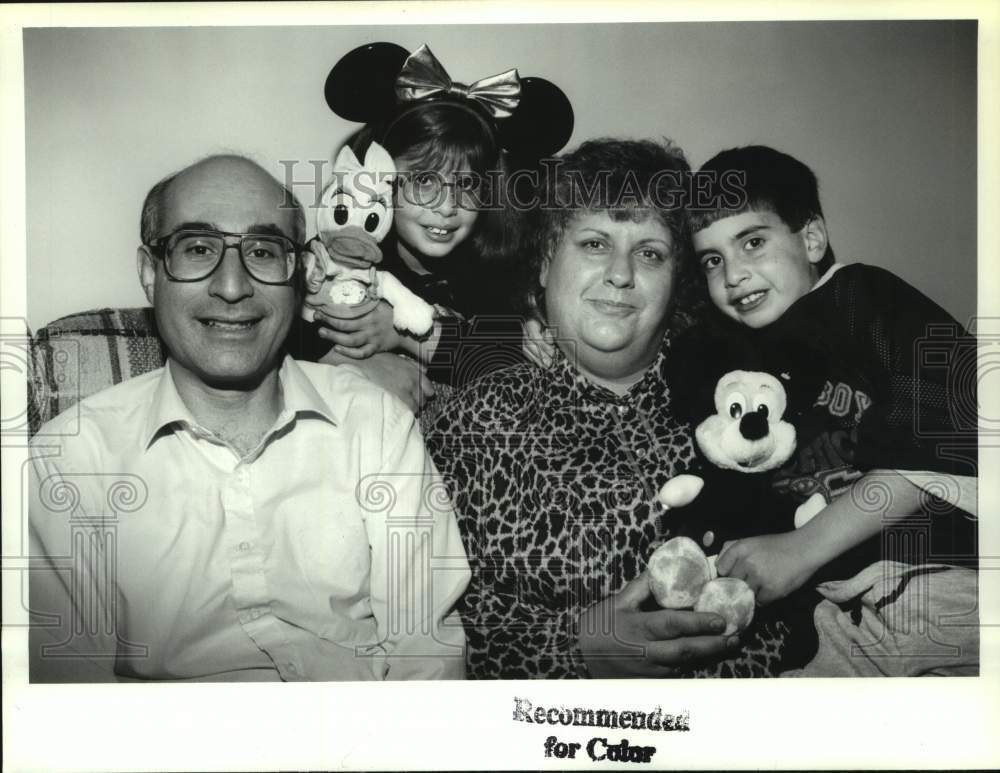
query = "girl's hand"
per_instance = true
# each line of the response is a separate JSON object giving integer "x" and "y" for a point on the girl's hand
{"x": 361, "y": 336}
{"x": 774, "y": 565}
{"x": 538, "y": 344}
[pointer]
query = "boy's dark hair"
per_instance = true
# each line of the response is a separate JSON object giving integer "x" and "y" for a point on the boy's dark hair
{"x": 765, "y": 180}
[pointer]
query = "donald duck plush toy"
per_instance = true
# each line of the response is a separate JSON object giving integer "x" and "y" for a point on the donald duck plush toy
{"x": 355, "y": 215}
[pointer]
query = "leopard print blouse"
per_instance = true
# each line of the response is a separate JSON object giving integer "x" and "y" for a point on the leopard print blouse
{"x": 554, "y": 482}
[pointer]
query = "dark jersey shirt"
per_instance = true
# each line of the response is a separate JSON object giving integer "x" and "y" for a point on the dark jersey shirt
{"x": 897, "y": 391}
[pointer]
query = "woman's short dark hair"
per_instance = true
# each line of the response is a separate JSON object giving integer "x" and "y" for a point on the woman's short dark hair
{"x": 628, "y": 180}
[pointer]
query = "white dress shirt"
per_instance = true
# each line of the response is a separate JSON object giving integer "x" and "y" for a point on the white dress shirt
{"x": 329, "y": 552}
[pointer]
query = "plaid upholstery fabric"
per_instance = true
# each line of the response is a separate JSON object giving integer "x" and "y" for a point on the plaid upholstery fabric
{"x": 76, "y": 356}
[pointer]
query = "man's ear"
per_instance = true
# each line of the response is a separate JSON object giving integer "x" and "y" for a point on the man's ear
{"x": 146, "y": 265}
{"x": 814, "y": 234}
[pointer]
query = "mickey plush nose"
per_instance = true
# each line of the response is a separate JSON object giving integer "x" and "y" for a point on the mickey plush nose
{"x": 753, "y": 426}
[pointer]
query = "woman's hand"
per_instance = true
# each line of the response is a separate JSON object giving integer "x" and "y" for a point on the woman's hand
{"x": 363, "y": 335}
{"x": 538, "y": 344}
{"x": 618, "y": 640}
{"x": 774, "y": 565}
{"x": 400, "y": 375}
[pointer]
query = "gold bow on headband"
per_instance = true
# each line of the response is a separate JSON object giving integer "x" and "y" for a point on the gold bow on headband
{"x": 423, "y": 77}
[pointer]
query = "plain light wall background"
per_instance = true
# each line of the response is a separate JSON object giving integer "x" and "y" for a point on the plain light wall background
{"x": 884, "y": 113}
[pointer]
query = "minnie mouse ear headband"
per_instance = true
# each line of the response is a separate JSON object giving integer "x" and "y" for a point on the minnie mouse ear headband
{"x": 379, "y": 82}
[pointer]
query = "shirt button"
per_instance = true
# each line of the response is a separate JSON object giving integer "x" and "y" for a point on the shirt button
{"x": 292, "y": 669}
{"x": 641, "y": 453}
{"x": 255, "y": 614}
{"x": 244, "y": 547}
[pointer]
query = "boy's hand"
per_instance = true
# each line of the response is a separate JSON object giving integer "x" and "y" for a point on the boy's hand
{"x": 538, "y": 345}
{"x": 774, "y": 565}
{"x": 361, "y": 336}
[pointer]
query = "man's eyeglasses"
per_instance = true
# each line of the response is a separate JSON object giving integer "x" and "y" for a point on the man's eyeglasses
{"x": 190, "y": 256}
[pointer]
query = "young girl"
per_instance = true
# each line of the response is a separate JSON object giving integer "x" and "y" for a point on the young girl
{"x": 452, "y": 236}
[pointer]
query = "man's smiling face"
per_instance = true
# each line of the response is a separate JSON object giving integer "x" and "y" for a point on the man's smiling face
{"x": 227, "y": 331}
{"x": 756, "y": 267}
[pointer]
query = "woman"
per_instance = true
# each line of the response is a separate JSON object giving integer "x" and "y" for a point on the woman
{"x": 554, "y": 472}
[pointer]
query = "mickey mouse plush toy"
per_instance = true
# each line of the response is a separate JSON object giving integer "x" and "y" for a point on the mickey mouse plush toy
{"x": 744, "y": 436}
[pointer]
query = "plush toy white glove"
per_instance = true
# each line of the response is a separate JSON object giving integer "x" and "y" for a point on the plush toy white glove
{"x": 410, "y": 312}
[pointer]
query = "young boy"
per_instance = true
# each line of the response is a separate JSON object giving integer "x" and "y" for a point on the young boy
{"x": 887, "y": 417}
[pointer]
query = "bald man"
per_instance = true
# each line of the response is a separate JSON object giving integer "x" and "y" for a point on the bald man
{"x": 237, "y": 515}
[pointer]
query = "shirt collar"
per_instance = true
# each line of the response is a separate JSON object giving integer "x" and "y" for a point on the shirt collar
{"x": 300, "y": 396}
{"x": 827, "y": 276}
{"x": 574, "y": 383}
{"x": 298, "y": 393}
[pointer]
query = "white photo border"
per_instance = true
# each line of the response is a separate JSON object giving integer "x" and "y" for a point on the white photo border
{"x": 781, "y": 724}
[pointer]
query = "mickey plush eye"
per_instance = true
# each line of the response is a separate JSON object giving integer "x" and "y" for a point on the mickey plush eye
{"x": 736, "y": 404}
{"x": 340, "y": 214}
{"x": 371, "y": 222}
{"x": 767, "y": 405}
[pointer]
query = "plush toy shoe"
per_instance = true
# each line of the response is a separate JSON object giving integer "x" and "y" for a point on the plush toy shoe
{"x": 731, "y": 599}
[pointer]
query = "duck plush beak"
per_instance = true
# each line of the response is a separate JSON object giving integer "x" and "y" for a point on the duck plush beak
{"x": 352, "y": 246}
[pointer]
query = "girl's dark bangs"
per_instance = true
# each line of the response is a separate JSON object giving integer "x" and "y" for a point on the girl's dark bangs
{"x": 444, "y": 137}
{"x": 450, "y": 154}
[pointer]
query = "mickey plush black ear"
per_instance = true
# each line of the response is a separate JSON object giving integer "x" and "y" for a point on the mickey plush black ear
{"x": 542, "y": 123}
{"x": 361, "y": 86}
{"x": 699, "y": 357}
{"x": 691, "y": 374}
{"x": 800, "y": 366}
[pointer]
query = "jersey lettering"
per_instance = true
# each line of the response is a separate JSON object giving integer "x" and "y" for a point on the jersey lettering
{"x": 840, "y": 397}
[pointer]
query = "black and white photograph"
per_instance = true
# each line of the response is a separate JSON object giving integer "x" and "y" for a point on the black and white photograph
{"x": 611, "y": 385}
